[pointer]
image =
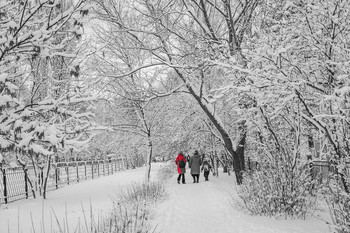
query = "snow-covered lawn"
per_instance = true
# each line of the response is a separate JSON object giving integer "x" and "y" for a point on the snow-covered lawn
{"x": 67, "y": 203}
{"x": 195, "y": 208}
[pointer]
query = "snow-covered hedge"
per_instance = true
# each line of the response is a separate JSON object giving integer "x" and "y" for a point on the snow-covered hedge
{"x": 339, "y": 206}
{"x": 275, "y": 192}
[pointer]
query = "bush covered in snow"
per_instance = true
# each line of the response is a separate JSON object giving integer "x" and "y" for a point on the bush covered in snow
{"x": 282, "y": 183}
{"x": 131, "y": 208}
{"x": 339, "y": 206}
{"x": 149, "y": 192}
{"x": 130, "y": 211}
{"x": 278, "y": 191}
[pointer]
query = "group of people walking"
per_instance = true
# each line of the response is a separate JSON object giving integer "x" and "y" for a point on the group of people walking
{"x": 196, "y": 164}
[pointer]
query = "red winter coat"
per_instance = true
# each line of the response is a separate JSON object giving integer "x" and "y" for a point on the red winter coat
{"x": 178, "y": 158}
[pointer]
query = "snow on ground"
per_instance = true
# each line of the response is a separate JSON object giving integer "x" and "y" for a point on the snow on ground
{"x": 195, "y": 208}
{"x": 68, "y": 203}
{"x": 206, "y": 208}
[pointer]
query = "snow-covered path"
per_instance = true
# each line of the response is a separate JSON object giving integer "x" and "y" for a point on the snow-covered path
{"x": 206, "y": 208}
{"x": 195, "y": 208}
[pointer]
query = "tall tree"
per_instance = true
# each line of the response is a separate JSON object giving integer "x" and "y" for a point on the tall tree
{"x": 190, "y": 38}
{"x": 35, "y": 36}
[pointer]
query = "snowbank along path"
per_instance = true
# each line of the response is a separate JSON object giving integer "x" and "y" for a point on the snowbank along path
{"x": 206, "y": 207}
{"x": 71, "y": 204}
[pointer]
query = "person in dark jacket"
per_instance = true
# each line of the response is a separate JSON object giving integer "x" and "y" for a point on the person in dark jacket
{"x": 181, "y": 168}
{"x": 206, "y": 168}
{"x": 195, "y": 164}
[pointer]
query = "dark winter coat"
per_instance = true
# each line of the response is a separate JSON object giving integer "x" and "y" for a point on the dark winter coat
{"x": 195, "y": 164}
{"x": 178, "y": 158}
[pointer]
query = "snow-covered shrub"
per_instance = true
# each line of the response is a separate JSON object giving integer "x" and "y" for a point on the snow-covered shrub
{"x": 278, "y": 191}
{"x": 148, "y": 192}
{"x": 313, "y": 69}
{"x": 339, "y": 206}
{"x": 123, "y": 218}
{"x": 131, "y": 209}
{"x": 282, "y": 183}
{"x": 127, "y": 218}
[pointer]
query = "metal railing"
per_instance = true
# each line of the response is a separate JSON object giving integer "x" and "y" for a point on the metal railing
{"x": 17, "y": 183}
{"x": 326, "y": 170}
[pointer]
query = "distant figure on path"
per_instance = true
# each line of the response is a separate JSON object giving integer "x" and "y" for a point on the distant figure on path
{"x": 181, "y": 167}
{"x": 195, "y": 165}
{"x": 188, "y": 159}
{"x": 206, "y": 168}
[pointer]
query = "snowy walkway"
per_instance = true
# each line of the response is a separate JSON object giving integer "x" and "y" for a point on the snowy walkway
{"x": 67, "y": 204}
{"x": 193, "y": 208}
{"x": 205, "y": 208}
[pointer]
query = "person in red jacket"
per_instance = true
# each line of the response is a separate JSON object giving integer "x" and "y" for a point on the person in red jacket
{"x": 181, "y": 167}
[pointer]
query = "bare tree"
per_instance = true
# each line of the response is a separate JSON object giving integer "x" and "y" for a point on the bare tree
{"x": 181, "y": 36}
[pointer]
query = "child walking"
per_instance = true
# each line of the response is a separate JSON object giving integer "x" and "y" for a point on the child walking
{"x": 206, "y": 168}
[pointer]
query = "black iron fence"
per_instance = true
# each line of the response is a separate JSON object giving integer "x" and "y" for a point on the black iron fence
{"x": 326, "y": 170}
{"x": 320, "y": 170}
{"x": 17, "y": 183}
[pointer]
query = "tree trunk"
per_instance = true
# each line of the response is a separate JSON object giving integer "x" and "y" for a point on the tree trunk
{"x": 224, "y": 134}
{"x": 216, "y": 165}
{"x": 240, "y": 156}
{"x": 46, "y": 176}
{"x": 25, "y": 170}
{"x": 240, "y": 151}
{"x": 149, "y": 159}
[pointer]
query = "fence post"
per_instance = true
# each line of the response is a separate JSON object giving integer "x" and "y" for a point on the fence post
{"x": 67, "y": 171}
{"x": 104, "y": 167}
{"x": 5, "y": 186}
{"x": 77, "y": 164}
{"x": 98, "y": 168}
{"x": 25, "y": 182}
{"x": 39, "y": 181}
{"x": 312, "y": 170}
{"x": 56, "y": 177}
{"x": 85, "y": 170}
